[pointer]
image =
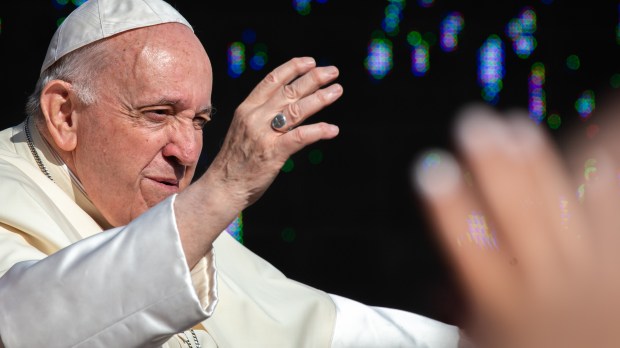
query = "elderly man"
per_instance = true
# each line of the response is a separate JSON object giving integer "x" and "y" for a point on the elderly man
{"x": 104, "y": 242}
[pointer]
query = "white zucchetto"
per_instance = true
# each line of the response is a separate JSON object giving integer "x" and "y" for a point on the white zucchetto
{"x": 98, "y": 19}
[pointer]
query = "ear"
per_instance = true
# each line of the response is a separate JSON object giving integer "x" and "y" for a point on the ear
{"x": 59, "y": 104}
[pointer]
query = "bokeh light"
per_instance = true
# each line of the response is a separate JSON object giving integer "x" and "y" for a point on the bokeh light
{"x": 260, "y": 57}
{"x": 614, "y": 81}
{"x": 479, "y": 232}
{"x": 315, "y": 156}
{"x": 618, "y": 27}
{"x": 449, "y": 31}
{"x": 420, "y": 62}
{"x": 573, "y": 62}
{"x": 537, "y": 97}
{"x": 589, "y": 169}
{"x": 414, "y": 38}
{"x": 585, "y": 104}
{"x": 78, "y": 2}
{"x": 393, "y": 15}
{"x": 379, "y": 61}
{"x": 491, "y": 68}
{"x": 288, "y": 234}
{"x": 288, "y": 166}
{"x": 59, "y": 4}
{"x": 235, "y": 229}
{"x": 236, "y": 59}
{"x": 302, "y": 6}
{"x": 521, "y": 31}
{"x": 554, "y": 121}
{"x": 426, "y": 3}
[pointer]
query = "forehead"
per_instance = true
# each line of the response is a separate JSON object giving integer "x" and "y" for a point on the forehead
{"x": 162, "y": 59}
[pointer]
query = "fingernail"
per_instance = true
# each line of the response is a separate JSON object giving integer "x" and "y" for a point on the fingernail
{"x": 479, "y": 130}
{"x": 436, "y": 173}
{"x": 332, "y": 71}
{"x": 334, "y": 91}
{"x": 527, "y": 133}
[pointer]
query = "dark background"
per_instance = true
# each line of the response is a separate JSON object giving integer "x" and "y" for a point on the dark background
{"x": 352, "y": 224}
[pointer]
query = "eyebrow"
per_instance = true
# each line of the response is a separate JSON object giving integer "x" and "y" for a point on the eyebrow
{"x": 209, "y": 110}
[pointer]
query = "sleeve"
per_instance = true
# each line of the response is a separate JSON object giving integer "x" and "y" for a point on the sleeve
{"x": 359, "y": 325}
{"x": 125, "y": 287}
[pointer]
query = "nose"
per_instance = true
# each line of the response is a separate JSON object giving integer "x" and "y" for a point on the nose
{"x": 184, "y": 145}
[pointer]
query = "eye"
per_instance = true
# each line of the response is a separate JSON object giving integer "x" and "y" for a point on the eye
{"x": 157, "y": 114}
{"x": 201, "y": 121}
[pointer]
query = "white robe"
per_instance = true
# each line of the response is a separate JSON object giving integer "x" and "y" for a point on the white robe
{"x": 66, "y": 282}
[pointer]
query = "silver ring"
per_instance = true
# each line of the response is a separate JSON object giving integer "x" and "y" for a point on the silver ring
{"x": 279, "y": 122}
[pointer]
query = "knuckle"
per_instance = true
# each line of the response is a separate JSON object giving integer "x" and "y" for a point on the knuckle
{"x": 317, "y": 75}
{"x": 271, "y": 78}
{"x": 322, "y": 96}
{"x": 294, "y": 112}
{"x": 299, "y": 136}
{"x": 290, "y": 92}
{"x": 298, "y": 62}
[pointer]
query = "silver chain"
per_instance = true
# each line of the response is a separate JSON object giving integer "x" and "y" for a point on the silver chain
{"x": 46, "y": 172}
{"x": 34, "y": 151}
{"x": 189, "y": 343}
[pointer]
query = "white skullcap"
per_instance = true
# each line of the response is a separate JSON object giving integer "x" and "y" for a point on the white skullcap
{"x": 98, "y": 19}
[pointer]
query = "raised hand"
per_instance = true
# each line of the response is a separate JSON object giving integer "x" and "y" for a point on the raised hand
{"x": 537, "y": 256}
{"x": 254, "y": 151}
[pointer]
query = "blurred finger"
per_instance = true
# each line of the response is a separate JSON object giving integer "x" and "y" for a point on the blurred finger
{"x": 467, "y": 235}
{"x": 565, "y": 221}
{"x": 508, "y": 189}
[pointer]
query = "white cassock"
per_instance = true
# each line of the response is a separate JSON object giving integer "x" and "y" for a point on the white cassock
{"x": 67, "y": 281}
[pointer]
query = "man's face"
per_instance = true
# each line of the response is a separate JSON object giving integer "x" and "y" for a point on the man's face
{"x": 140, "y": 141}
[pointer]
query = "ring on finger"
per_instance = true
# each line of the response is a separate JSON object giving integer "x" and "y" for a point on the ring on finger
{"x": 278, "y": 123}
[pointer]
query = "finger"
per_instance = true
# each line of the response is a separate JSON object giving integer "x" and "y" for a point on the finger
{"x": 467, "y": 236}
{"x": 300, "y": 137}
{"x": 298, "y": 112}
{"x": 601, "y": 201}
{"x": 565, "y": 221}
{"x": 307, "y": 83}
{"x": 508, "y": 189}
{"x": 278, "y": 78}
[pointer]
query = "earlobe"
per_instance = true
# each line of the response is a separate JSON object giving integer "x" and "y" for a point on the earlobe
{"x": 58, "y": 104}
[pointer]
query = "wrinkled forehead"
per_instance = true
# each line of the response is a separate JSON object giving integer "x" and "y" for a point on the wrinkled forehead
{"x": 163, "y": 47}
{"x": 163, "y": 58}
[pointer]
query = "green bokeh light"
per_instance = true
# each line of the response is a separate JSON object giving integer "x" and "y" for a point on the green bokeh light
{"x": 573, "y": 62}
{"x": 288, "y": 234}
{"x": 554, "y": 121}
{"x": 288, "y": 166}
{"x": 414, "y": 38}
{"x": 315, "y": 156}
{"x": 614, "y": 81}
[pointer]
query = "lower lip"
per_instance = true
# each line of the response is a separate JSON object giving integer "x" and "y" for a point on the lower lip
{"x": 163, "y": 187}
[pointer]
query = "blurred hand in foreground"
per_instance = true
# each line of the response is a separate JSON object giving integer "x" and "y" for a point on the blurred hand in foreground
{"x": 534, "y": 236}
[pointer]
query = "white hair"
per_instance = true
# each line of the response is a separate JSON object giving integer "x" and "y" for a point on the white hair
{"x": 80, "y": 68}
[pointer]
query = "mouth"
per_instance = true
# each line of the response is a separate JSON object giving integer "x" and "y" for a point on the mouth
{"x": 168, "y": 184}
